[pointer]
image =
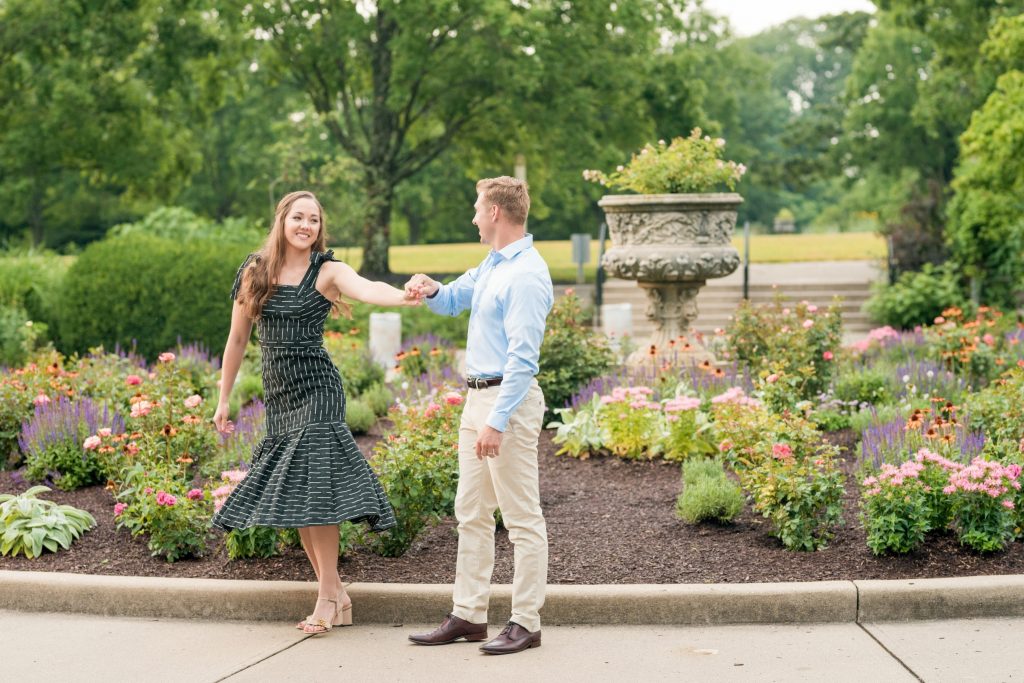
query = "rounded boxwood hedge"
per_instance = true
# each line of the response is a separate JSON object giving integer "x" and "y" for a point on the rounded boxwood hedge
{"x": 150, "y": 292}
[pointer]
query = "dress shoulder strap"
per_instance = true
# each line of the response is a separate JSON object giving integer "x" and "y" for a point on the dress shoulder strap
{"x": 251, "y": 258}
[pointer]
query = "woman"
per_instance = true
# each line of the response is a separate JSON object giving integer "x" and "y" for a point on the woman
{"x": 307, "y": 473}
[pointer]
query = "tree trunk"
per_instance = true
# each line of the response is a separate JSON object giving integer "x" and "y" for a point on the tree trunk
{"x": 380, "y": 193}
{"x": 415, "y": 221}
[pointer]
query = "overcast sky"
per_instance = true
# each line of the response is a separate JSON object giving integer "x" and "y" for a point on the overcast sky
{"x": 752, "y": 16}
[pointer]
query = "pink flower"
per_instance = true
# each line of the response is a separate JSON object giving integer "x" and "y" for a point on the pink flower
{"x": 166, "y": 357}
{"x": 41, "y": 400}
{"x": 432, "y": 410}
{"x": 782, "y": 451}
{"x": 453, "y": 398}
{"x": 785, "y": 311}
{"x": 131, "y": 448}
{"x": 119, "y": 508}
{"x": 772, "y": 378}
{"x": 91, "y": 443}
{"x": 103, "y": 433}
{"x": 233, "y": 476}
{"x": 808, "y": 324}
{"x": 193, "y": 401}
{"x": 132, "y": 380}
{"x": 164, "y": 498}
{"x": 1008, "y": 504}
{"x": 827, "y": 355}
{"x": 148, "y": 490}
{"x": 195, "y": 494}
{"x": 724, "y": 446}
{"x": 989, "y": 339}
{"x": 141, "y": 408}
{"x": 811, "y": 308}
{"x": 682, "y": 403}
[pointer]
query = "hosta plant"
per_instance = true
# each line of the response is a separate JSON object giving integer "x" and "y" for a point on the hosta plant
{"x": 29, "y": 525}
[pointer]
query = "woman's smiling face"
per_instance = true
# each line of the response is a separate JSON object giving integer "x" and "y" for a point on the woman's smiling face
{"x": 302, "y": 224}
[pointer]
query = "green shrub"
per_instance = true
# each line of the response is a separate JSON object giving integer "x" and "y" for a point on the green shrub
{"x": 20, "y": 336}
{"x": 158, "y": 505}
{"x": 896, "y": 511}
{"x": 149, "y": 292}
{"x": 257, "y": 541}
{"x": 418, "y": 467}
{"x": 864, "y": 386}
{"x": 916, "y": 298}
{"x": 359, "y": 416}
{"x": 998, "y": 409}
{"x": 352, "y": 358}
{"x": 790, "y": 347}
{"x": 710, "y": 499}
{"x": 247, "y": 388}
{"x": 180, "y": 224}
{"x": 379, "y": 398}
{"x": 571, "y": 355}
{"x": 701, "y": 468}
{"x": 33, "y": 282}
{"x": 29, "y": 525}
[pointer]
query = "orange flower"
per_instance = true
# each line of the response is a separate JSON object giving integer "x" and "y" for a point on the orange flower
{"x": 931, "y": 433}
{"x": 354, "y": 331}
{"x": 653, "y": 350}
{"x": 184, "y": 459}
{"x": 168, "y": 430}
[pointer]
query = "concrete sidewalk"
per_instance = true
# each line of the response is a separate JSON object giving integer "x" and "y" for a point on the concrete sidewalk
{"x": 112, "y": 649}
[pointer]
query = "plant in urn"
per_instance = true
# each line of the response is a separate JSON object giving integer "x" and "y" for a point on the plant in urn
{"x": 673, "y": 235}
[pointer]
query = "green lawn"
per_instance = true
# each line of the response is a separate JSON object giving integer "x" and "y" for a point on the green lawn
{"x": 455, "y": 258}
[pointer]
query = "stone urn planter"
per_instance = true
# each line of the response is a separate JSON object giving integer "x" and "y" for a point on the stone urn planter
{"x": 671, "y": 244}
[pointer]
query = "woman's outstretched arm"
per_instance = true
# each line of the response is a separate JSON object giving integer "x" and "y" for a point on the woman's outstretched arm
{"x": 234, "y": 350}
{"x": 351, "y": 285}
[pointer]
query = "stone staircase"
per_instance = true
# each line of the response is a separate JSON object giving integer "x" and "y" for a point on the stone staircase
{"x": 717, "y": 301}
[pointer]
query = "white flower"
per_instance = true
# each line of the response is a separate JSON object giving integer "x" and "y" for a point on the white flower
{"x": 719, "y": 142}
{"x": 906, "y": 378}
{"x": 929, "y": 374}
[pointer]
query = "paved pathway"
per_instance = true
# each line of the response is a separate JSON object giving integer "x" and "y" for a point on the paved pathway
{"x": 112, "y": 649}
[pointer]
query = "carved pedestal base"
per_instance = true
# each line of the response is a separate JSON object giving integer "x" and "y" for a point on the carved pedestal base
{"x": 672, "y": 307}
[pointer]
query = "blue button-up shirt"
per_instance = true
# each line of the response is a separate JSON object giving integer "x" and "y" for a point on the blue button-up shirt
{"x": 509, "y": 296}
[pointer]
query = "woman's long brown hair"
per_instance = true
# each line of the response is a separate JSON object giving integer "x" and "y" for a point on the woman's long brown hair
{"x": 258, "y": 280}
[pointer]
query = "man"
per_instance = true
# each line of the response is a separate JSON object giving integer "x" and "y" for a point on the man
{"x": 509, "y": 296}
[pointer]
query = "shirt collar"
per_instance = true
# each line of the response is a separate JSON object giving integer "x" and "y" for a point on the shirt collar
{"x": 512, "y": 250}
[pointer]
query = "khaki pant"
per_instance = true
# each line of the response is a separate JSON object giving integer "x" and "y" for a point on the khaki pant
{"x": 508, "y": 482}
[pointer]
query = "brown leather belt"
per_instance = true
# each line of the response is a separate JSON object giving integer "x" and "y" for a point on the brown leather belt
{"x": 482, "y": 382}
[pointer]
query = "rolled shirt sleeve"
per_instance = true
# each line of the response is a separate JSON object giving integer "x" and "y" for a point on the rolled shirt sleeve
{"x": 455, "y": 297}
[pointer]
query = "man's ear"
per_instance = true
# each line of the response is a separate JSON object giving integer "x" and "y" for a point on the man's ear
{"x": 495, "y": 212}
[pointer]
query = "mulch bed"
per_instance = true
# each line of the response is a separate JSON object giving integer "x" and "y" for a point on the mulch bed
{"x": 609, "y": 521}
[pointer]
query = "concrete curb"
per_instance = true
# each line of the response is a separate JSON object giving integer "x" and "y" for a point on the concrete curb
{"x": 384, "y": 603}
{"x": 953, "y": 598}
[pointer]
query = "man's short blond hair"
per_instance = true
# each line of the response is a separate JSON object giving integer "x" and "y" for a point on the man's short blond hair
{"x": 511, "y": 194}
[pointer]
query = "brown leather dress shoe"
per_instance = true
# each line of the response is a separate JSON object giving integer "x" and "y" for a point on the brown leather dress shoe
{"x": 450, "y": 630}
{"x": 513, "y": 638}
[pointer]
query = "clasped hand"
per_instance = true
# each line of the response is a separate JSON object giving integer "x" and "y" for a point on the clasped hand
{"x": 420, "y": 286}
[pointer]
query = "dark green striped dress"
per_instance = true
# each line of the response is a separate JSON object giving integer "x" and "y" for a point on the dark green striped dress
{"x": 307, "y": 471}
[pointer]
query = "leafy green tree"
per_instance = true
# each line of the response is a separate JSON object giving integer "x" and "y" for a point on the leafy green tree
{"x": 90, "y": 114}
{"x": 986, "y": 228}
{"x": 396, "y": 84}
